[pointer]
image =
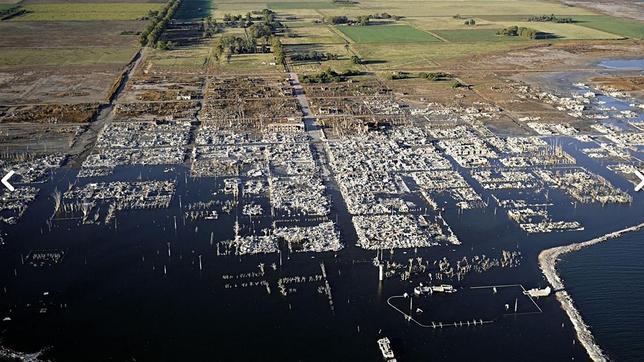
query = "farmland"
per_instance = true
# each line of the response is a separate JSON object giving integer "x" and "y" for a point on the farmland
{"x": 27, "y": 34}
{"x": 419, "y": 56}
{"x": 433, "y": 33}
{"x": 568, "y": 31}
{"x": 301, "y": 5}
{"x": 192, "y": 58}
{"x": 86, "y": 12}
{"x": 67, "y": 51}
{"x": 65, "y": 56}
{"x": 275, "y": 114}
{"x": 386, "y": 34}
{"x": 608, "y": 24}
{"x": 473, "y": 35}
{"x": 448, "y": 23}
{"x": 465, "y": 8}
{"x": 427, "y": 28}
{"x": 311, "y": 34}
{"x": 623, "y": 27}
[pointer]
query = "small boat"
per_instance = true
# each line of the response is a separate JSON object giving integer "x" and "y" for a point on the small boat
{"x": 444, "y": 288}
{"x": 385, "y": 348}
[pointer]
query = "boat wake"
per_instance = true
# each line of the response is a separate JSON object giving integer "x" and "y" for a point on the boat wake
{"x": 547, "y": 262}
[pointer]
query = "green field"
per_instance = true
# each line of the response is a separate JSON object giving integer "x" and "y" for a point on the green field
{"x": 301, "y": 5}
{"x": 566, "y": 31}
{"x": 386, "y": 34}
{"x": 470, "y": 8}
{"x": 447, "y": 23}
{"x": 473, "y": 35}
{"x": 86, "y": 11}
{"x": 313, "y": 35}
{"x": 190, "y": 57}
{"x": 627, "y": 28}
{"x": 603, "y": 23}
{"x": 65, "y": 56}
{"x": 429, "y": 32}
{"x": 420, "y": 56}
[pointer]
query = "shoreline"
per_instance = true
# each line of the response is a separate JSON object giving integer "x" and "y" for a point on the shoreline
{"x": 548, "y": 264}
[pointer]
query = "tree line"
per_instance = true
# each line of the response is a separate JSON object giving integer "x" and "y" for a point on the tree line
{"x": 160, "y": 19}
{"x": 314, "y": 56}
{"x": 435, "y": 76}
{"x": 521, "y": 31}
{"x": 265, "y": 16}
{"x": 550, "y": 18}
{"x": 256, "y": 39}
{"x": 210, "y": 27}
{"x": 11, "y": 12}
{"x": 329, "y": 76}
{"x": 362, "y": 20}
{"x": 278, "y": 50}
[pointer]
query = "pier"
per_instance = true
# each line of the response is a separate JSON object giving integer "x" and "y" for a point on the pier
{"x": 548, "y": 262}
{"x": 435, "y": 324}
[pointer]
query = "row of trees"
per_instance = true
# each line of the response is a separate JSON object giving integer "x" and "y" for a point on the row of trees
{"x": 362, "y": 20}
{"x": 385, "y": 16}
{"x": 340, "y": 19}
{"x": 11, "y": 12}
{"x": 550, "y": 18}
{"x": 521, "y": 31}
{"x": 314, "y": 56}
{"x": 435, "y": 76}
{"x": 456, "y": 84}
{"x": 278, "y": 50}
{"x": 258, "y": 34}
{"x": 165, "y": 45}
{"x": 153, "y": 31}
{"x": 210, "y": 27}
{"x": 228, "y": 45}
{"x": 239, "y": 21}
{"x": 399, "y": 75}
{"x": 329, "y": 76}
{"x": 265, "y": 16}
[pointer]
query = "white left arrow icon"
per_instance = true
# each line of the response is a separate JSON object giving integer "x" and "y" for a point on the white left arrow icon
{"x": 5, "y": 180}
{"x": 641, "y": 184}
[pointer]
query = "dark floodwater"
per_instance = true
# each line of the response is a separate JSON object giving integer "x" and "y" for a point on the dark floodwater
{"x": 110, "y": 299}
{"x": 605, "y": 282}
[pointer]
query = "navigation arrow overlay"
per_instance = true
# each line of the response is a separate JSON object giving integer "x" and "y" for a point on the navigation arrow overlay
{"x": 5, "y": 180}
{"x": 639, "y": 174}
